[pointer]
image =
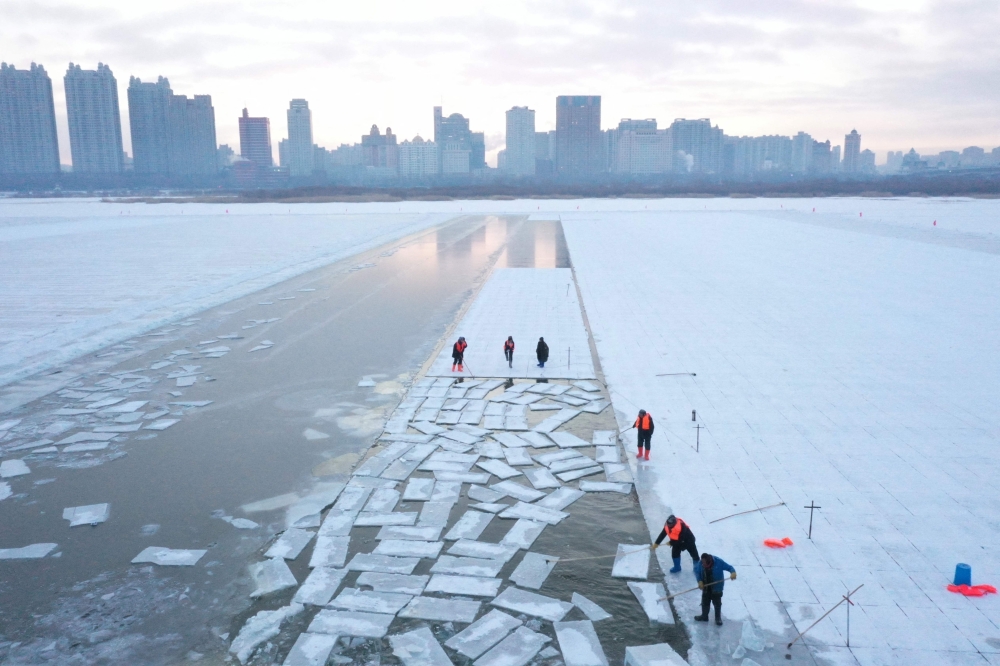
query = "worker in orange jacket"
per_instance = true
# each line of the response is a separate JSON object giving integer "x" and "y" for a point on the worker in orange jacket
{"x": 644, "y": 425}
{"x": 458, "y": 354}
{"x": 681, "y": 538}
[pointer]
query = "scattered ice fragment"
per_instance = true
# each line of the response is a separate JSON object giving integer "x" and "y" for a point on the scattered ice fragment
{"x": 320, "y": 586}
{"x": 516, "y": 650}
{"x": 86, "y": 446}
{"x": 159, "y": 365}
{"x": 419, "y": 648}
{"x": 482, "y": 549}
{"x": 441, "y": 610}
{"x": 529, "y": 603}
{"x": 127, "y": 427}
{"x": 596, "y": 407}
{"x": 517, "y": 491}
{"x": 489, "y": 507}
{"x": 162, "y": 424}
{"x": 418, "y": 489}
{"x": 271, "y": 503}
{"x": 189, "y": 380}
{"x": 536, "y": 440}
{"x": 567, "y": 441}
{"x": 52, "y": 449}
{"x": 125, "y": 407}
{"x": 469, "y": 526}
{"x": 739, "y": 652}
{"x": 290, "y": 544}
{"x": 470, "y": 586}
{"x": 467, "y": 566}
{"x": 518, "y": 457}
{"x": 5, "y": 491}
{"x": 649, "y": 595}
{"x": 510, "y": 440}
{"x": 353, "y": 599}
{"x": 349, "y": 623}
{"x": 402, "y": 583}
{"x": 381, "y": 519}
{"x": 605, "y": 487}
{"x": 426, "y": 533}
{"x": 532, "y": 512}
{"x": 570, "y": 464}
{"x": 446, "y": 491}
{"x": 589, "y": 608}
{"x": 523, "y": 534}
{"x": 240, "y": 523}
{"x": 259, "y": 628}
{"x": 32, "y": 552}
{"x": 435, "y": 514}
{"x": 91, "y": 514}
{"x": 310, "y": 650}
{"x": 30, "y": 445}
{"x": 483, "y": 634}
{"x": 560, "y": 499}
{"x": 407, "y": 548}
{"x": 383, "y": 563}
{"x": 533, "y": 569}
{"x": 169, "y": 557}
{"x": 579, "y": 473}
{"x": 329, "y": 551}
{"x": 631, "y": 561}
{"x": 750, "y": 638}
{"x": 12, "y": 468}
{"x": 8, "y": 424}
{"x": 271, "y": 576}
{"x": 312, "y": 434}
{"x": 85, "y": 437}
{"x": 607, "y": 454}
{"x": 192, "y": 403}
{"x": 579, "y": 644}
{"x": 660, "y": 654}
{"x": 462, "y": 477}
{"x": 617, "y": 473}
{"x": 541, "y": 478}
{"x": 481, "y": 494}
{"x": 367, "y": 382}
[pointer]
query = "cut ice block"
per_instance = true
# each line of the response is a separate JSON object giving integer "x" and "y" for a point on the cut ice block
{"x": 86, "y": 437}
{"x": 330, "y": 551}
{"x": 383, "y": 563}
{"x": 350, "y": 623}
{"x": 162, "y": 424}
{"x": 463, "y": 477}
{"x": 467, "y": 566}
{"x": 483, "y": 634}
{"x": 559, "y": 418}
{"x": 382, "y": 500}
{"x": 596, "y": 407}
{"x": 490, "y": 450}
{"x": 617, "y": 473}
{"x": 427, "y": 427}
{"x": 128, "y": 427}
{"x": 536, "y": 440}
{"x": 579, "y": 644}
{"x": 589, "y": 608}
{"x": 605, "y": 487}
{"x": 259, "y": 628}
{"x": 446, "y": 491}
{"x": 470, "y": 586}
{"x": 529, "y": 603}
{"x": 320, "y": 586}
{"x": 517, "y": 491}
{"x": 649, "y": 595}
{"x": 353, "y": 599}
{"x": 445, "y": 466}
{"x": 660, "y": 654}
{"x": 351, "y": 499}
{"x": 271, "y": 576}
{"x": 548, "y": 459}
{"x": 607, "y": 454}
{"x": 631, "y": 561}
{"x": 407, "y": 548}
{"x": 579, "y": 473}
{"x": 570, "y": 464}
{"x": 523, "y": 534}
{"x": 441, "y": 610}
{"x": 91, "y": 514}
{"x": 498, "y": 469}
{"x": 510, "y": 440}
{"x": 589, "y": 387}
{"x": 533, "y": 570}
{"x": 488, "y": 507}
{"x": 545, "y": 407}
{"x": 337, "y": 524}
{"x": 449, "y": 456}
{"x": 448, "y": 418}
{"x": 567, "y": 441}
{"x": 560, "y": 499}
{"x": 469, "y": 526}
{"x": 516, "y": 650}
{"x": 481, "y": 494}
{"x": 381, "y": 519}
{"x": 571, "y": 400}
{"x": 310, "y": 650}
{"x": 418, "y": 490}
{"x": 37, "y": 550}
{"x": 455, "y": 405}
{"x": 493, "y": 422}
{"x": 541, "y": 478}
{"x": 86, "y": 446}
{"x": 483, "y": 550}
{"x": 400, "y": 583}
{"x": 517, "y": 457}
{"x": 411, "y": 533}
{"x": 459, "y": 436}
{"x": 169, "y": 557}
{"x": 604, "y": 438}
{"x": 290, "y": 544}
{"x": 125, "y": 407}
{"x": 532, "y": 512}
{"x": 419, "y": 648}
{"x": 435, "y": 514}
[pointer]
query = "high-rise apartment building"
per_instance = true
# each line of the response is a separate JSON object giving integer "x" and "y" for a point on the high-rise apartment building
{"x": 852, "y": 152}
{"x": 802, "y": 152}
{"x": 379, "y": 152}
{"x": 149, "y": 118}
{"x": 192, "y": 136}
{"x": 453, "y": 136}
{"x": 28, "y": 141}
{"x": 255, "y": 140}
{"x": 95, "y": 127}
{"x": 637, "y": 147}
{"x": 300, "y": 142}
{"x": 578, "y": 135}
{"x": 520, "y": 149}
{"x": 418, "y": 159}
{"x": 697, "y": 145}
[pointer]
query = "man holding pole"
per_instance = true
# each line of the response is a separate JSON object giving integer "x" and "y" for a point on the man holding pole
{"x": 681, "y": 538}
{"x": 644, "y": 426}
{"x": 710, "y": 572}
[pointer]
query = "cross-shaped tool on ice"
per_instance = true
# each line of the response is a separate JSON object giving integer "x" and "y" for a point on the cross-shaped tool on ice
{"x": 812, "y": 507}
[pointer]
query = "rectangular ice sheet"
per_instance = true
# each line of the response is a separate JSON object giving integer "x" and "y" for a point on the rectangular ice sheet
{"x": 567, "y": 441}
{"x": 483, "y": 550}
{"x": 353, "y": 599}
{"x": 410, "y": 533}
{"x": 579, "y": 644}
{"x": 536, "y": 440}
{"x": 560, "y": 499}
{"x": 330, "y": 551}
{"x": 467, "y": 566}
{"x": 408, "y": 548}
{"x": 589, "y": 608}
{"x": 91, "y": 514}
{"x": 469, "y": 526}
{"x": 510, "y": 440}
{"x": 169, "y": 557}
{"x": 481, "y": 494}
{"x": 441, "y": 610}
{"x": 419, "y": 648}
{"x": 649, "y": 595}
{"x": 383, "y": 563}
{"x": 532, "y": 512}
{"x": 463, "y": 477}
{"x": 541, "y": 478}
{"x": 529, "y": 603}
{"x": 470, "y": 586}
{"x": 310, "y": 650}
{"x": 605, "y": 487}
{"x": 533, "y": 569}
{"x": 518, "y": 457}
{"x": 290, "y": 544}
{"x": 631, "y": 561}
{"x": 523, "y": 534}
{"x": 483, "y": 634}
{"x": 435, "y": 514}
{"x": 418, "y": 490}
{"x": 570, "y": 464}
{"x": 579, "y": 474}
{"x": 517, "y": 491}
{"x": 516, "y": 650}
{"x": 401, "y": 583}
{"x": 320, "y": 586}
{"x": 350, "y": 623}
{"x": 382, "y": 519}
{"x": 607, "y": 454}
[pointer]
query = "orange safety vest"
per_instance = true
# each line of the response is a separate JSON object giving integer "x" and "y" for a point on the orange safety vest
{"x": 675, "y": 533}
{"x": 460, "y": 346}
{"x": 643, "y": 422}
{"x": 508, "y": 346}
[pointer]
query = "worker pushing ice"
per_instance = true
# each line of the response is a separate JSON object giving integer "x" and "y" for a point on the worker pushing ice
{"x": 508, "y": 351}
{"x": 710, "y": 572}
{"x": 680, "y": 538}
{"x": 458, "y": 354}
{"x": 542, "y": 352}
{"x": 644, "y": 426}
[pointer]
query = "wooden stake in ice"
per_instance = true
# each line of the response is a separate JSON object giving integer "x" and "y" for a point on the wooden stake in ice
{"x": 770, "y": 506}
{"x": 812, "y": 507}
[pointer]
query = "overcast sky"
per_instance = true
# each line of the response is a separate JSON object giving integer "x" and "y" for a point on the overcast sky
{"x": 913, "y": 73}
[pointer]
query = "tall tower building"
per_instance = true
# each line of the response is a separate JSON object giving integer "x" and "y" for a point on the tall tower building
{"x": 852, "y": 152}
{"x": 300, "y": 139}
{"x": 28, "y": 143}
{"x": 255, "y": 140}
{"x": 699, "y": 142}
{"x": 95, "y": 126}
{"x": 193, "y": 151}
{"x": 578, "y": 134}
{"x": 462, "y": 150}
{"x": 520, "y": 148}
{"x": 802, "y": 152}
{"x": 148, "y": 117}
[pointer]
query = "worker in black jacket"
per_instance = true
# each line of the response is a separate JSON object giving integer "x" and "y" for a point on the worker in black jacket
{"x": 681, "y": 538}
{"x": 542, "y": 352}
{"x": 644, "y": 426}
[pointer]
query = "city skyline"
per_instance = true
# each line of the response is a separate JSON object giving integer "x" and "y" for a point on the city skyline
{"x": 905, "y": 74}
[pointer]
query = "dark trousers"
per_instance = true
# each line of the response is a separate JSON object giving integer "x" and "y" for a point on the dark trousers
{"x": 509, "y": 354}
{"x": 457, "y": 360}
{"x": 711, "y": 598}
{"x": 645, "y": 438}
{"x": 677, "y": 549}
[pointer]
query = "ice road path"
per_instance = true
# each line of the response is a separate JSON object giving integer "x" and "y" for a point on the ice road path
{"x": 77, "y": 275}
{"x": 858, "y": 370}
{"x": 525, "y": 303}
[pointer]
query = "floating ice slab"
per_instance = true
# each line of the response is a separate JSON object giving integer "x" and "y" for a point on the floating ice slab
{"x": 92, "y": 514}
{"x": 5, "y": 491}
{"x": 30, "y": 445}
{"x": 548, "y": 459}
{"x": 471, "y": 586}
{"x": 483, "y": 550}
{"x": 533, "y": 570}
{"x": 459, "y": 436}
{"x": 523, "y": 533}
{"x": 631, "y": 561}
{"x": 32, "y": 552}
{"x": 401, "y": 583}
{"x": 320, "y": 586}
{"x": 581, "y": 462}
{"x": 490, "y": 450}
{"x": 517, "y": 491}
{"x": 310, "y": 650}
{"x": 259, "y": 628}
{"x": 129, "y": 427}
{"x": 435, "y": 514}
{"x": 383, "y": 563}
{"x": 607, "y": 454}
{"x": 410, "y": 533}
{"x": 517, "y": 649}
{"x": 536, "y": 440}
{"x": 337, "y": 524}
{"x": 660, "y": 654}
{"x": 312, "y": 434}
{"x": 560, "y": 499}
{"x": 125, "y": 407}
{"x": 529, "y": 603}
{"x": 649, "y": 595}
{"x": 510, "y": 440}
{"x": 541, "y": 478}
{"x": 408, "y": 548}
{"x": 605, "y": 438}
{"x": 427, "y": 427}
{"x": 271, "y": 576}
{"x": 418, "y": 490}
{"x": 419, "y": 648}
{"x": 532, "y": 512}
{"x": 11, "y": 468}
{"x": 481, "y": 494}
{"x": 517, "y": 457}
{"x": 443, "y": 466}
{"x": 605, "y": 487}
{"x": 446, "y": 491}
{"x": 353, "y": 599}
{"x": 441, "y": 610}
{"x": 351, "y": 623}
{"x": 162, "y": 424}
{"x": 483, "y": 634}
{"x": 567, "y": 441}
{"x": 352, "y": 499}
{"x": 579, "y": 644}
{"x": 290, "y": 544}
{"x": 596, "y": 407}
{"x": 86, "y": 437}
{"x": 589, "y": 608}
{"x": 330, "y": 551}
{"x": 86, "y": 446}
{"x": 559, "y": 418}
{"x": 467, "y": 566}
{"x": 498, "y": 469}
{"x": 381, "y": 519}
{"x": 169, "y": 557}
{"x": 617, "y": 473}
{"x": 489, "y": 507}
{"x": 566, "y": 477}
{"x": 463, "y": 477}
{"x": 469, "y": 526}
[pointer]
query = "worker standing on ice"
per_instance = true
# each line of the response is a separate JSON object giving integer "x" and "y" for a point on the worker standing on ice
{"x": 542, "y": 351}
{"x": 710, "y": 572}
{"x": 644, "y": 426}
{"x": 458, "y": 354}
{"x": 681, "y": 538}
{"x": 508, "y": 351}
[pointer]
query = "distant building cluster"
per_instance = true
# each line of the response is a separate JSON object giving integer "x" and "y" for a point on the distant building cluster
{"x": 174, "y": 142}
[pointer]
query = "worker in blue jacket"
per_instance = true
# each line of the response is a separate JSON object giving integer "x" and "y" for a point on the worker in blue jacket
{"x": 710, "y": 572}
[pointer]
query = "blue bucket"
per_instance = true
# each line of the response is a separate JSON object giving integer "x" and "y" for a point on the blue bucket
{"x": 963, "y": 574}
